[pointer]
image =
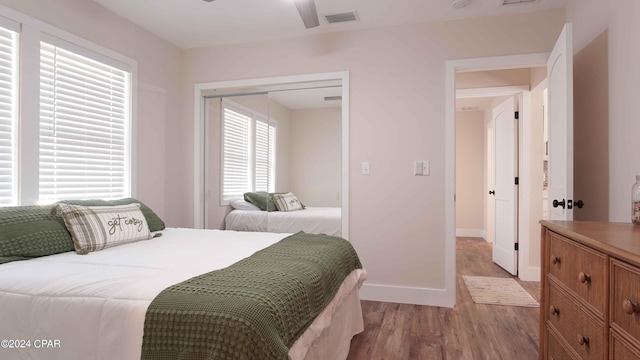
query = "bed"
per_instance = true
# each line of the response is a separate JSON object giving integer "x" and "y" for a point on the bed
{"x": 314, "y": 220}
{"x": 281, "y": 213}
{"x": 94, "y": 306}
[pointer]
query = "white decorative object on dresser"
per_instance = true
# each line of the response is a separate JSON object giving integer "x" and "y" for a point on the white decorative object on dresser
{"x": 590, "y": 303}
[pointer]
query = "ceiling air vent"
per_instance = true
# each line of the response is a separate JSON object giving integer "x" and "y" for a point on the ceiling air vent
{"x": 342, "y": 17}
{"x": 516, "y": 2}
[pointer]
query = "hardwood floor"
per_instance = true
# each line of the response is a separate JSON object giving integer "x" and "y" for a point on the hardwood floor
{"x": 468, "y": 331}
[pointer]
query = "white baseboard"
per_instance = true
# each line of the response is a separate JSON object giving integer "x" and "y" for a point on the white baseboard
{"x": 479, "y": 233}
{"x": 408, "y": 295}
{"x": 529, "y": 273}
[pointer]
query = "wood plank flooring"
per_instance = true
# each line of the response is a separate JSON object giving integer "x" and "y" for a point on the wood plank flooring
{"x": 468, "y": 331}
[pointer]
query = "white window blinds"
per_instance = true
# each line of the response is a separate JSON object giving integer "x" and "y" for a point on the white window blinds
{"x": 84, "y": 127}
{"x": 236, "y": 148}
{"x": 8, "y": 116}
{"x": 264, "y": 156}
{"x": 248, "y": 152}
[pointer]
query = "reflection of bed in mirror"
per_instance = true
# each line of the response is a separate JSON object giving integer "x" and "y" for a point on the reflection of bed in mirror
{"x": 313, "y": 220}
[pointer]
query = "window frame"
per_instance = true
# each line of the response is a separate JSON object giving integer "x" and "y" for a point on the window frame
{"x": 32, "y": 32}
{"x": 255, "y": 116}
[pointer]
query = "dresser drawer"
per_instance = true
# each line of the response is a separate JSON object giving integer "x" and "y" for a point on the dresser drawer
{"x": 580, "y": 269}
{"x": 556, "y": 351}
{"x": 625, "y": 297}
{"x": 619, "y": 349}
{"x": 584, "y": 333}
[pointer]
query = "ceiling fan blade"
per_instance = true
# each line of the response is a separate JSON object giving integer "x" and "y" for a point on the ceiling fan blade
{"x": 308, "y": 13}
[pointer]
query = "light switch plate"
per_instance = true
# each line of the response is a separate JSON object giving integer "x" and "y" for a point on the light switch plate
{"x": 417, "y": 167}
{"x": 366, "y": 168}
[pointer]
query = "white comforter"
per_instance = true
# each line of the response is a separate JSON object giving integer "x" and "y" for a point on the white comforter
{"x": 312, "y": 220}
{"x": 93, "y": 306}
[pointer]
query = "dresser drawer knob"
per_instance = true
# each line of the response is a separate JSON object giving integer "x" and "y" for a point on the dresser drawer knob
{"x": 554, "y": 310}
{"x": 630, "y": 307}
{"x": 555, "y": 259}
{"x": 584, "y": 278}
{"x": 583, "y": 340}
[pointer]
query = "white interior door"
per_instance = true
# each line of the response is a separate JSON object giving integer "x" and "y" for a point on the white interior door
{"x": 505, "y": 197}
{"x": 560, "y": 97}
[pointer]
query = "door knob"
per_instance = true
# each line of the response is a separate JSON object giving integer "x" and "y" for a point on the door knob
{"x": 492, "y": 192}
{"x": 579, "y": 204}
{"x": 630, "y": 307}
{"x": 557, "y": 203}
{"x": 583, "y": 340}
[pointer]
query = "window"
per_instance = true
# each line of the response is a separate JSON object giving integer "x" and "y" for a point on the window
{"x": 66, "y": 119}
{"x": 84, "y": 127}
{"x": 248, "y": 151}
{"x": 8, "y": 116}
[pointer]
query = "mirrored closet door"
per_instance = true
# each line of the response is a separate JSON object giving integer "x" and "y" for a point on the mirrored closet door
{"x": 308, "y": 177}
{"x": 273, "y": 158}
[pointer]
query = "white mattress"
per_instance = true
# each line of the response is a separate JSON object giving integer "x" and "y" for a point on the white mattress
{"x": 94, "y": 305}
{"x": 313, "y": 220}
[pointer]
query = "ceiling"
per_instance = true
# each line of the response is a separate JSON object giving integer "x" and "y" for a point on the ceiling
{"x": 307, "y": 98}
{"x": 293, "y": 96}
{"x": 473, "y": 104}
{"x": 196, "y": 23}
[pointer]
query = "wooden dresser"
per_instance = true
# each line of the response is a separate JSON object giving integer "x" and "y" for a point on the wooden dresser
{"x": 590, "y": 303}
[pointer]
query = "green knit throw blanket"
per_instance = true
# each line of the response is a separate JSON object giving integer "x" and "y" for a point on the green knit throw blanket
{"x": 254, "y": 309}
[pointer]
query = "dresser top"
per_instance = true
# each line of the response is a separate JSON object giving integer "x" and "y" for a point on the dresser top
{"x": 621, "y": 240}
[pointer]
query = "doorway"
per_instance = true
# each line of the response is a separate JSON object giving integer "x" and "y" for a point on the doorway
{"x": 528, "y": 270}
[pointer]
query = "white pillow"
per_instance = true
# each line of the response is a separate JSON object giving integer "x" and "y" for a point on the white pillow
{"x": 241, "y": 204}
{"x": 95, "y": 228}
{"x": 287, "y": 202}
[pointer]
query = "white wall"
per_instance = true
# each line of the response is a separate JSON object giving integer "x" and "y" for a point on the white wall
{"x": 591, "y": 18}
{"x": 159, "y": 95}
{"x": 492, "y": 78}
{"x": 397, "y": 111}
{"x": 314, "y": 156}
{"x": 470, "y": 174}
{"x": 591, "y": 130}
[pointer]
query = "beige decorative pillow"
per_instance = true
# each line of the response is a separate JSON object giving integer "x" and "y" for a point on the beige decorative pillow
{"x": 287, "y": 202}
{"x": 95, "y": 228}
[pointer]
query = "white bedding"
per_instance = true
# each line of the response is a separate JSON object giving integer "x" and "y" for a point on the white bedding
{"x": 93, "y": 306}
{"x": 313, "y": 220}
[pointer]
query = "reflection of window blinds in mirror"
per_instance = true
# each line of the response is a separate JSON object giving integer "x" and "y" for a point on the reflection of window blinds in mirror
{"x": 248, "y": 151}
{"x": 265, "y": 151}
{"x": 236, "y": 154}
